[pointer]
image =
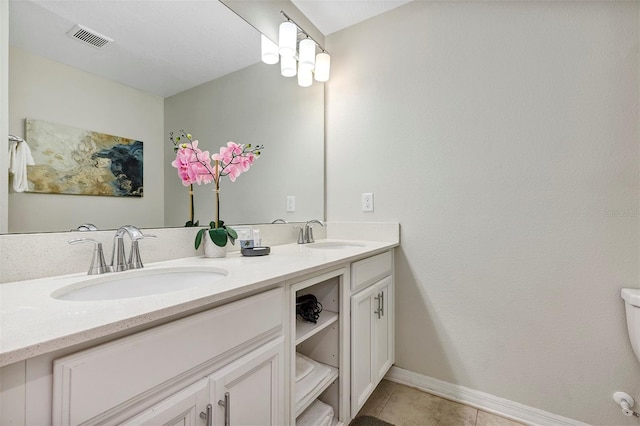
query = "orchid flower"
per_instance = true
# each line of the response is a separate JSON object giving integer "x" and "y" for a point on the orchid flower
{"x": 194, "y": 166}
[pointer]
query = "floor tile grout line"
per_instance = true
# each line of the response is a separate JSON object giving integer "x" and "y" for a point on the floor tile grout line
{"x": 384, "y": 404}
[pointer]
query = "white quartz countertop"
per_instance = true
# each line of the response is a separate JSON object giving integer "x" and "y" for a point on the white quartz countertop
{"x": 33, "y": 323}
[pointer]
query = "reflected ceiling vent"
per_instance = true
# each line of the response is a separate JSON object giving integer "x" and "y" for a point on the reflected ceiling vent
{"x": 88, "y": 36}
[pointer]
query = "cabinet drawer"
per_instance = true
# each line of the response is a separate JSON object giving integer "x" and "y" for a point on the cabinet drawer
{"x": 93, "y": 381}
{"x": 367, "y": 271}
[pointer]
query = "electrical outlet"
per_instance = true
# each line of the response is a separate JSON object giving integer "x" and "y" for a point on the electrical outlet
{"x": 291, "y": 203}
{"x": 367, "y": 201}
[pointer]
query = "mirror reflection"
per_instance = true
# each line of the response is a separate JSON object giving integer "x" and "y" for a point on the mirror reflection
{"x": 253, "y": 104}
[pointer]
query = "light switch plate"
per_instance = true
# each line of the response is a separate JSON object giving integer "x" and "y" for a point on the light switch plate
{"x": 291, "y": 203}
{"x": 367, "y": 201}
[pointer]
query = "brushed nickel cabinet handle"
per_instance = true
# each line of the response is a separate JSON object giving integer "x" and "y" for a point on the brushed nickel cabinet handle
{"x": 208, "y": 416}
{"x": 379, "y": 310}
{"x": 227, "y": 408}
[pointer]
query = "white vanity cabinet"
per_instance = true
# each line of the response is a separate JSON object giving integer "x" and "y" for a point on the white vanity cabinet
{"x": 233, "y": 361}
{"x": 372, "y": 322}
{"x": 236, "y": 348}
{"x": 249, "y": 391}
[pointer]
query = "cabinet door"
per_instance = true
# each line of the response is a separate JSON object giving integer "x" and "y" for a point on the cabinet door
{"x": 250, "y": 391}
{"x": 182, "y": 408}
{"x": 371, "y": 340}
{"x": 362, "y": 381}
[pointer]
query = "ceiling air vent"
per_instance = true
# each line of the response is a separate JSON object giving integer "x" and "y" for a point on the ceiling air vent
{"x": 88, "y": 36}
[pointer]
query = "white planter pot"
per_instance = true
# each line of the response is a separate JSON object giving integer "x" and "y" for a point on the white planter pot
{"x": 212, "y": 250}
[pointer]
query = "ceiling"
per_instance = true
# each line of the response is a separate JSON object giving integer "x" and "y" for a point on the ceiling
{"x": 162, "y": 47}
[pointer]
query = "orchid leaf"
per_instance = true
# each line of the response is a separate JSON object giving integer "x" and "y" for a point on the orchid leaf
{"x": 199, "y": 236}
{"x": 218, "y": 236}
{"x": 232, "y": 237}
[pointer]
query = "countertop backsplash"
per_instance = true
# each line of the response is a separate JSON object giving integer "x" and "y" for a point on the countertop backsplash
{"x": 30, "y": 256}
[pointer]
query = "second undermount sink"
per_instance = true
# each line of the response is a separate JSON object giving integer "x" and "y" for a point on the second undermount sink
{"x": 138, "y": 284}
{"x": 333, "y": 245}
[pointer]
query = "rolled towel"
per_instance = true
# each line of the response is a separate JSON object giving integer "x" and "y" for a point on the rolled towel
{"x": 19, "y": 158}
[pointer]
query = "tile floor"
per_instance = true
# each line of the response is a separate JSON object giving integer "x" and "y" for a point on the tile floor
{"x": 405, "y": 406}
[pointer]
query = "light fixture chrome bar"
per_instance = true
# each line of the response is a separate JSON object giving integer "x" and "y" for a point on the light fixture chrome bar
{"x": 282, "y": 12}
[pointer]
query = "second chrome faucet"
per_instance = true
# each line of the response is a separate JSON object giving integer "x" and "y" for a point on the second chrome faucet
{"x": 305, "y": 235}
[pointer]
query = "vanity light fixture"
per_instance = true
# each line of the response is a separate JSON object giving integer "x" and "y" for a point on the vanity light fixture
{"x": 287, "y": 39}
{"x": 323, "y": 66}
{"x": 269, "y": 50}
{"x": 288, "y": 66}
{"x": 305, "y": 76}
{"x": 301, "y": 60}
{"x": 307, "y": 57}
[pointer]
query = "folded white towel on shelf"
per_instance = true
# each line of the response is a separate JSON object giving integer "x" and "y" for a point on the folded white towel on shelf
{"x": 19, "y": 158}
{"x": 303, "y": 367}
{"x": 318, "y": 414}
{"x": 313, "y": 380}
{"x": 326, "y": 421}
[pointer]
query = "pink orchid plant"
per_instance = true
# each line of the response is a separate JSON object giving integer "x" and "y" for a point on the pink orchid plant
{"x": 195, "y": 166}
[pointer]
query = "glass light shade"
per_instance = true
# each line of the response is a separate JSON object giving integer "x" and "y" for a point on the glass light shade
{"x": 307, "y": 56}
{"x": 288, "y": 37}
{"x": 269, "y": 51}
{"x": 288, "y": 66}
{"x": 323, "y": 66}
{"x": 305, "y": 76}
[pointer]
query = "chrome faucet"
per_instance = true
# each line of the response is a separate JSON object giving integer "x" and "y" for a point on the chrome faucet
{"x": 306, "y": 236}
{"x": 118, "y": 257}
{"x": 86, "y": 227}
{"x": 98, "y": 265}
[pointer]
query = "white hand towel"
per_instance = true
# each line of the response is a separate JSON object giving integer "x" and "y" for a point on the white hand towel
{"x": 313, "y": 380}
{"x": 318, "y": 414}
{"x": 303, "y": 367}
{"x": 19, "y": 158}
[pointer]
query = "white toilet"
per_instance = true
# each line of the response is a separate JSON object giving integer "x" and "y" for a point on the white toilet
{"x": 631, "y": 298}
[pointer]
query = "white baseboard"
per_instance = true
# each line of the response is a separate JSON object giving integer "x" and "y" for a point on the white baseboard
{"x": 484, "y": 401}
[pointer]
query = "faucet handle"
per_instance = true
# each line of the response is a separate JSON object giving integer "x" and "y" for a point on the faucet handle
{"x": 309, "y": 236}
{"x": 142, "y": 236}
{"x": 98, "y": 265}
{"x": 300, "y": 234}
{"x": 135, "y": 262}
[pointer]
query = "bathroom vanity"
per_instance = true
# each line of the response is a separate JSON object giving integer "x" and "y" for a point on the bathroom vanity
{"x": 212, "y": 354}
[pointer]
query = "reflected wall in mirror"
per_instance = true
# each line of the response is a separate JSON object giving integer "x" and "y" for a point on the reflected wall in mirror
{"x": 253, "y": 105}
{"x": 257, "y": 106}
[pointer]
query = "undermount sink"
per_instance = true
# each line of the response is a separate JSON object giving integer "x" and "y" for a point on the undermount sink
{"x": 137, "y": 284}
{"x": 333, "y": 245}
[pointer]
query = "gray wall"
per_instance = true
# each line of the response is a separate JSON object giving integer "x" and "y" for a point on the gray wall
{"x": 503, "y": 136}
{"x": 50, "y": 91}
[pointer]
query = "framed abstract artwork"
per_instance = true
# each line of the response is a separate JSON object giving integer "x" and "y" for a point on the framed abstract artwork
{"x": 69, "y": 160}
